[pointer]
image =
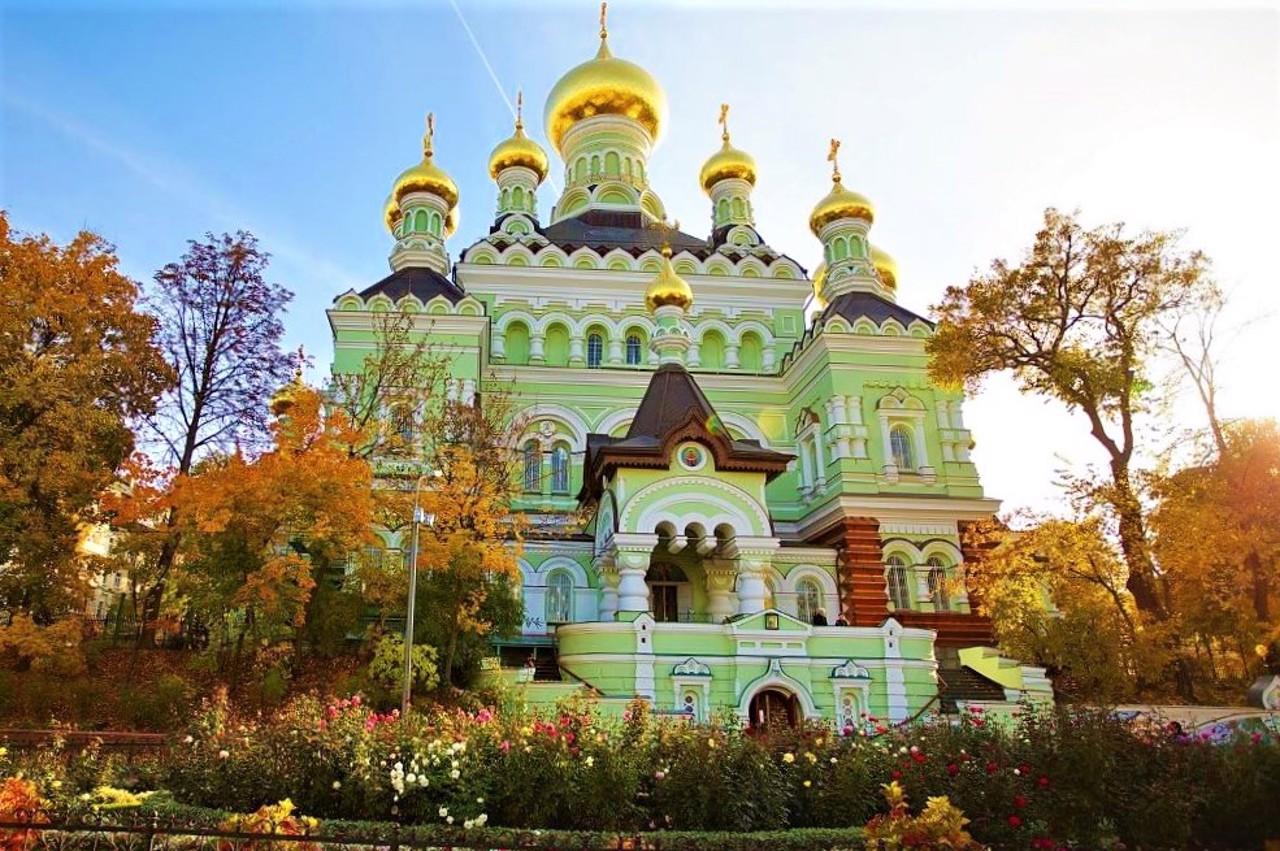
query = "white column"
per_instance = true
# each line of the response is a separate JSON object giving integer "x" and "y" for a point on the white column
{"x": 575, "y": 349}
{"x": 751, "y": 588}
{"x": 608, "y": 586}
{"x": 632, "y": 590}
{"x": 498, "y": 344}
{"x": 895, "y": 681}
{"x": 720, "y": 602}
{"x": 731, "y": 356}
{"x": 615, "y": 351}
{"x": 536, "y": 354}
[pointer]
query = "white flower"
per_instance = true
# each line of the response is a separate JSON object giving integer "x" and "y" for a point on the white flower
{"x": 188, "y": 740}
{"x": 337, "y": 784}
{"x": 591, "y": 761}
{"x": 223, "y": 754}
{"x": 455, "y": 774}
{"x": 1017, "y": 771}
{"x": 444, "y": 811}
{"x": 411, "y": 779}
{"x": 449, "y": 820}
{"x": 481, "y": 819}
{"x": 479, "y": 800}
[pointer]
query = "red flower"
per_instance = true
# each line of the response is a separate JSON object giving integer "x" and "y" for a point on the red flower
{"x": 896, "y": 775}
{"x": 993, "y": 767}
{"x": 1043, "y": 842}
{"x": 953, "y": 769}
{"x": 918, "y": 757}
{"x": 1044, "y": 782}
{"x": 1015, "y": 821}
{"x": 1019, "y": 801}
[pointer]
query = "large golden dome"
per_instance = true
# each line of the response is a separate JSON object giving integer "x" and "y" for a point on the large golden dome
{"x": 668, "y": 287}
{"x": 886, "y": 266}
{"x": 840, "y": 203}
{"x": 605, "y": 85}
{"x": 519, "y": 150}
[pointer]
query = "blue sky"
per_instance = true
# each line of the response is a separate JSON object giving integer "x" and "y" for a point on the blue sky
{"x": 153, "y": 122}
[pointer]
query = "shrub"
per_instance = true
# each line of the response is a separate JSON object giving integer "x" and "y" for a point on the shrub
{"x": 939, "y": 825}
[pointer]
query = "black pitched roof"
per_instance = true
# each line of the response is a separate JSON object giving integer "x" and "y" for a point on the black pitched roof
{"x": 419, "y": 281}
{"x": 855, "y": 305}
{"x": 605, "y": 230}
{"x": 674, "y": 407}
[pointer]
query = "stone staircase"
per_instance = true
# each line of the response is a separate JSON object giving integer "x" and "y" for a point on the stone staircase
{"x": 959, "y": 683}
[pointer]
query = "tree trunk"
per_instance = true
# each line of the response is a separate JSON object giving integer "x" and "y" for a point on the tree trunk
{"x": 1141, "y": 582}
{"x": 1261, "y": 586}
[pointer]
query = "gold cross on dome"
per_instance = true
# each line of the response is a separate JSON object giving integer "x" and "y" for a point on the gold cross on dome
{"x": 604, "y": 27}
{"x": 429, "y": 139}
{"x": 519, "y": 109}
{"x": 666, "y": 230}
{"x": 724, "y": 121}
{"x": 831, "y": 158}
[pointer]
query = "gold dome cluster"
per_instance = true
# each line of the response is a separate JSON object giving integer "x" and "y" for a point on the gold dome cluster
{"x": 839, "y": 203}
{"x": 426, "y": 176}
{"x": 519, "y": 150}
{"x": 667, "y": 287}
{"x": 605, "y": 85}
{"x": 728, "y": 161}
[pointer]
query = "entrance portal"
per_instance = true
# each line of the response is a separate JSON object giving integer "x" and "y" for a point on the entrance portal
{"x": 774, "y": 709}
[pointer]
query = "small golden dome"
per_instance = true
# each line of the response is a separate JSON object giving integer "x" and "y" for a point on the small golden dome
{"x": 667, "y": 287}
{"x": 886, "y": 266}
{"x": 426, "y": 176}
{"x": 519, "y": 150}
{"x": 728, "y": 161}
{"x": 605, "y": 85}
{"x": 840, "y": 203}
{"x": 283, "y": 400}
{"x": 819, "y": 280}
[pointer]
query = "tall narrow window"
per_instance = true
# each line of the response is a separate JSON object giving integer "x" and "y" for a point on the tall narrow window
{"x": 595, "y": 350}
{"x": 633, "y": 349}
{"x": 896, "y": 577}
{"x": 532, "y": 467}
{"x": 559, "y": 598}
{"x": 938, "y": 584}
{"x": 900, "y": 445}
{"x": 808, "y": 599}
{"x": 560, "y": 469}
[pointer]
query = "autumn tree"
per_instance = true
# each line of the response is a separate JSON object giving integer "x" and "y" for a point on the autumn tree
{"x": 220, "y": 329}
{"x": 258, "y": 531}
{"x": 1217, "y": 537}
{"x": 1078, "y": 320}
{"x": 78, "y": 361}
{"x": 1055, "y": 592}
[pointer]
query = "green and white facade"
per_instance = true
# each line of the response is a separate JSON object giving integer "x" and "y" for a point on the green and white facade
{"x": 744, "y": 460}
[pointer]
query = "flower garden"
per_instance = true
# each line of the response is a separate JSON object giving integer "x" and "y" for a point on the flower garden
{"x": 1051, "y": 780}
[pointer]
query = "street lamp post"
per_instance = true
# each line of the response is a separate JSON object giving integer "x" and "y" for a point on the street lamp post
{"x": 418, "y": 518}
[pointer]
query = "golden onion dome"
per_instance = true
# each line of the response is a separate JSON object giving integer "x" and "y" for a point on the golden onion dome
{"x": 519, "y": 150}
{"x": 426, "y": 176}
{"x": 839, "y": 203}
{"x": 819, "y": 280}
{"x": 728, "y": 161}
{"x": 391, "y": 213}
{"x": 667, "y": 287}
{"x": 886, "y": 267}
{"x": 605, "y": 85}
{"x": 283, "y": 400}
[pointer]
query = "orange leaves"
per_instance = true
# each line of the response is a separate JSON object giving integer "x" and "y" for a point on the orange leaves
{"x": 306, "y": 500}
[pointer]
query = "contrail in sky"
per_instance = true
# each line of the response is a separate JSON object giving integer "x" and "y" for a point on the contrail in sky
{"x": 493, "y": 75}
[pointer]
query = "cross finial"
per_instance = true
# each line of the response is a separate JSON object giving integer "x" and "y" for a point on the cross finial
{"x": 831, "y": 158}
{"x": 666, "y": 230}
{"x": 519, "y": 109}
{"x": 428, "y": 141}
{"x": 302, "y": 359}
{"x": 724, "y": 122}
{"x": 604, "y": 26}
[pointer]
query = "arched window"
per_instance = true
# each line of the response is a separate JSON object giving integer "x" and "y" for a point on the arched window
{"x": 900, "y": 445}
{"x": 938, "y": 584}
{"x": 559, "y": 597}
{"x": 633, "y": 349}
{"x": 517, "y": 198}
{"x": 420, "y": 221}
{"x": 896, "y": 576}
{"x": 560, "y": 469}
{"x": 532, "y": 467}
{"x": 595, "y": 350}
{"x": 517, "y": 339}
{"x": 808, "y": 599}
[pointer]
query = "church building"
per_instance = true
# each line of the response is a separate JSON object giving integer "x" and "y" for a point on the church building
{"x": 776, "y": 491}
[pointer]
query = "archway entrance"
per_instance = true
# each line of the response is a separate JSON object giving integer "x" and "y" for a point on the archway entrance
{"x": 774, "y": 708}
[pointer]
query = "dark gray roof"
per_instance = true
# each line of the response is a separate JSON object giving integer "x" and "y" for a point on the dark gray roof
{"x": 423, "y": 283}
{"x": 604, "y": 230}
{"x": 856, "y": 305}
